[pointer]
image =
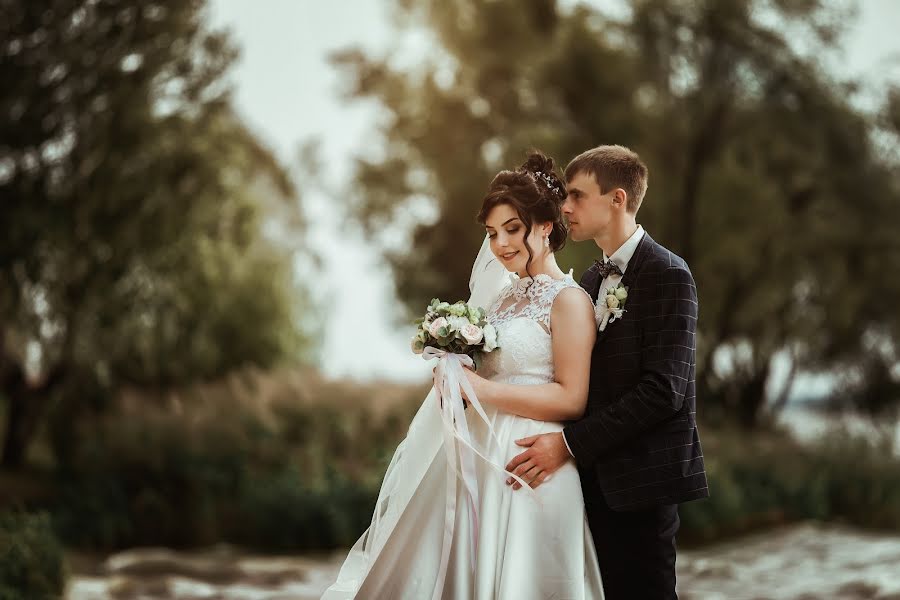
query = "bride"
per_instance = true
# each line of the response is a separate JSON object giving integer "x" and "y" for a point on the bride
{"x": 527, "y": 544}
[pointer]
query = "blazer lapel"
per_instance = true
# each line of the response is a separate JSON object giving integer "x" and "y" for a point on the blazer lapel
{"x": 631, "y": 272}
{"x": 637, "y": 259}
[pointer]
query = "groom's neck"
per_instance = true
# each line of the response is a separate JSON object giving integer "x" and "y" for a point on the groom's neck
{"x": 616, "y": 235}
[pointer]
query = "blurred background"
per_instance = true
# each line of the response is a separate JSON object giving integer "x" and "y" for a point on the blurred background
{"x": 218, "y": 218}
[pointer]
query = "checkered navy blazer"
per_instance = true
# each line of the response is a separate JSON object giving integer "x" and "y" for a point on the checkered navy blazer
{"x": 637, "y": 442}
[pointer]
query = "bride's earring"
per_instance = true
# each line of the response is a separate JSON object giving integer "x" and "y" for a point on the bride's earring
{"x": 546, "y": 241}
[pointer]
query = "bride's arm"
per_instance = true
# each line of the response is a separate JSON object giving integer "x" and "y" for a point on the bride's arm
{"x": 573, "y": 333}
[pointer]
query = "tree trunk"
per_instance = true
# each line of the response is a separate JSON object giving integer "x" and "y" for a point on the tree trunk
{"x": 752, "y": 398}
{"x": 702, "y": 149}
{"x": 26, "y": 406}
{"x": 15, "y": 438}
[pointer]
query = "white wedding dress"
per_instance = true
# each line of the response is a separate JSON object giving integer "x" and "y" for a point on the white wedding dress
{"x": 529, "y": 544}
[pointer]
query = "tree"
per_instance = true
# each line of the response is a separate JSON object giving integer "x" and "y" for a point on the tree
{"x": 764, "y": 175}
{"x": 770, "y": 167}
{"x": 133, "y": 202}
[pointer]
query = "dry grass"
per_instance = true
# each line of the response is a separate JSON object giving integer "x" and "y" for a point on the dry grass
{"x": 262, "y": 393}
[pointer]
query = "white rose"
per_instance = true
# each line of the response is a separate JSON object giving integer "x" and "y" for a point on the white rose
{"x": 436, "y": 326}
{"x": 621, "y": 294}
{"x": 457, "y": 323}
{"x": 490, "y": 338}
{"x": 612, "y": 301}
{"x": 472, "y": 334}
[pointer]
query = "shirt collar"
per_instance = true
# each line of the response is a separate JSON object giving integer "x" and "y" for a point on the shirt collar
{"x": 623, "y": 255}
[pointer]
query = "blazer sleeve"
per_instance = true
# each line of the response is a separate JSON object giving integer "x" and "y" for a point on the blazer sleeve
{"x": 667, "y": 356}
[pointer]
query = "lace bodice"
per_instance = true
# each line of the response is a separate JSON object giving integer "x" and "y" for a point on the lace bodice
{"x": 521, "y": 315}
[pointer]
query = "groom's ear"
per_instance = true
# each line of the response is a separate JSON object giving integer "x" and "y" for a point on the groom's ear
{"x": 620, "y": 198}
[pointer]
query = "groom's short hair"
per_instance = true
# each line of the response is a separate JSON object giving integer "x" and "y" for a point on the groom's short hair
{"x": 613, "y": 167}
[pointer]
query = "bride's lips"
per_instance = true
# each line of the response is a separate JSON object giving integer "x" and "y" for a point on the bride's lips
{"x": 509, "y": 256}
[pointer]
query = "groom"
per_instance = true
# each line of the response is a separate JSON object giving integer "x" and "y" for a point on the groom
{"x": 636, "y": 447}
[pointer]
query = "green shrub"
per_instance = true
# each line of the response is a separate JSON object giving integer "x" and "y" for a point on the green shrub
{"x": 304, "y": 477}
{"x": 765, "y": 479}
{"x": 154, "y": 481}
{"x": 294, "y": 471}
{"x": 284, "y": 511}
{"x": 31, "y": 558}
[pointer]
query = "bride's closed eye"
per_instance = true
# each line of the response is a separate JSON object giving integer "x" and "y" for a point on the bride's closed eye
{"x": 512, "y": 231}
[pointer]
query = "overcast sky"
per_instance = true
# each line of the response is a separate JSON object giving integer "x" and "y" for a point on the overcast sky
{"x": 288, "y": 93}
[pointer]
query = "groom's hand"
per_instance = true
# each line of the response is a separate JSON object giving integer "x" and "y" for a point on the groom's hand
{"x": 546, "y": 453}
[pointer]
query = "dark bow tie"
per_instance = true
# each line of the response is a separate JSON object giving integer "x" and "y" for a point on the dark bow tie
{"x": 607, "y": 268}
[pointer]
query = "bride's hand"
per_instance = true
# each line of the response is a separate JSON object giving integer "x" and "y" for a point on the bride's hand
{"x": 475, "y": 380}
{"x": 468, "y": 372}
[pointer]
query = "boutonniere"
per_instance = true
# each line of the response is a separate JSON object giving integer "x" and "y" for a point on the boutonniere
{"x": 611, "y": 305}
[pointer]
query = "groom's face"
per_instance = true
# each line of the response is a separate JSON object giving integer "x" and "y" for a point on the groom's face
{"x": 588, "y": 210}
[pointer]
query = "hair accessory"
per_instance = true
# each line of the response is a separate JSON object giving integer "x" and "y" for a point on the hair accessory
{"x": 547, "y": 180}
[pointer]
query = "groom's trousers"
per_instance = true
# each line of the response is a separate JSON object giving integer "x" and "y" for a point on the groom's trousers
{"x": 636, "y": 549}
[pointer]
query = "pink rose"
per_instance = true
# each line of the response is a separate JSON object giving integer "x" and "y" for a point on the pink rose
{"x": 436, "y": 326}
{"x": 472, "y": 334}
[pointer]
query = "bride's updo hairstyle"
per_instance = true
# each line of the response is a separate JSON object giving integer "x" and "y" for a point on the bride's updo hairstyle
{"x": 536, "y": 192}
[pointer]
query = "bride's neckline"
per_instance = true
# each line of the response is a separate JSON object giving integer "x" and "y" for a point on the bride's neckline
{"x": 522, "y": 281}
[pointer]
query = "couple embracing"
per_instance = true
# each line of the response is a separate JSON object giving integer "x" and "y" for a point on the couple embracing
{"x": 591, "y": 400}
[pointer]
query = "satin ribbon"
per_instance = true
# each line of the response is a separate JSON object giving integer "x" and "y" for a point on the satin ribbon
{"x": 450, "y": 383}
{"x": 606, "y": 315}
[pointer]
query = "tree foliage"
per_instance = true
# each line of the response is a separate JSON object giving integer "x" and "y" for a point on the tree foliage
{"x": 765, "y": 175}
{"x": 133, "y": 209}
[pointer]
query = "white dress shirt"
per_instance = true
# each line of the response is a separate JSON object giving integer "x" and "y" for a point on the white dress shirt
{"x": 620, "y": 257}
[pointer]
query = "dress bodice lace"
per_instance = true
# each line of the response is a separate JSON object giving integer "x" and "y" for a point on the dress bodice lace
{"x": 521, "y": 316}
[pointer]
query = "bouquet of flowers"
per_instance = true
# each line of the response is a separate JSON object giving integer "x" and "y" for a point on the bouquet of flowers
{"x": 455, "y": 328}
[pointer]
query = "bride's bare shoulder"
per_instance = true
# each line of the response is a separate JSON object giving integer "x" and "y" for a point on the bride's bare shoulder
{"x": 572, "y": 298}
